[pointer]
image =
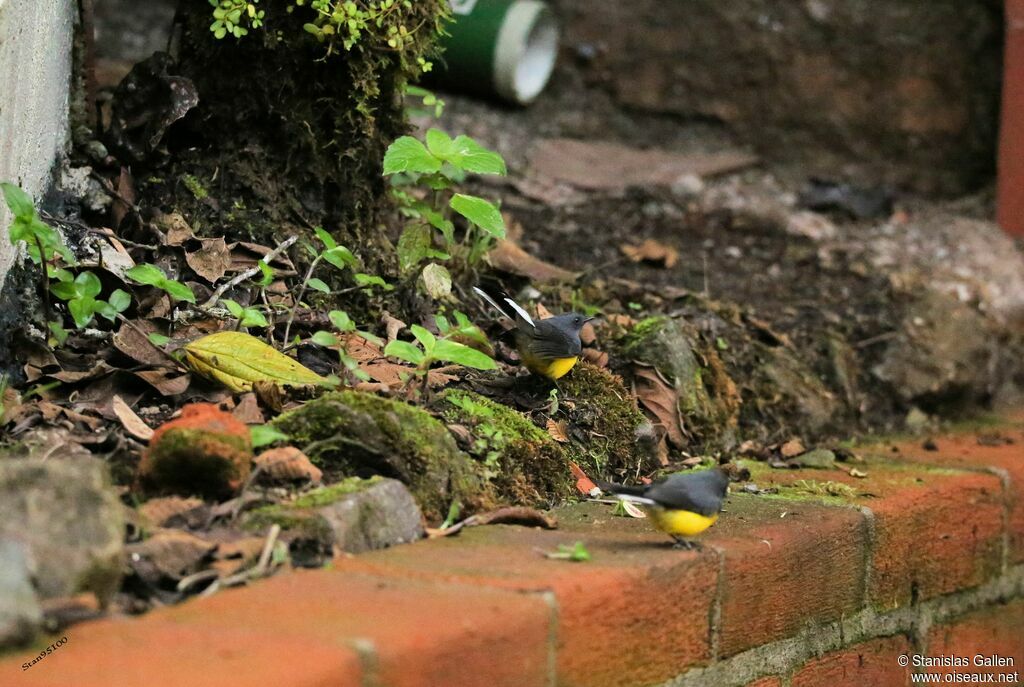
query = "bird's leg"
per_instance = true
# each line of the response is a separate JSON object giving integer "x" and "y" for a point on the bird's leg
{"x": 681, "y": 543}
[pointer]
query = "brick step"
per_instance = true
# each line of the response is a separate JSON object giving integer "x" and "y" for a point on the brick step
{"x": 802, "y": 587}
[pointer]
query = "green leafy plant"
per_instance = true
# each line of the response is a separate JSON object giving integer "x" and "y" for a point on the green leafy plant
{"x": 348, "y": 21}
{"x": 431, "y": 105}
{"x": 230, "y": 17}
{"x": 341, "y": 258}
{"x": 247, "y": 317}
{"x": 430, "y": 349}
{"x": 80, "y": 292}
{"x": 265, "y": 435}
{"x": 424, "y": 175}
{"x": 344, "y": 324}
{"x": 151, "y": 275}
{"x": 46, "y": 248}
{"x": 577, "y": 553}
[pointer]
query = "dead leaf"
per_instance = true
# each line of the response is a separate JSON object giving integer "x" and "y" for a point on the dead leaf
{"x": 793, "y": 447}
{"x": 237, "y": 555}
{"x": 507, "y": 256}
{"x": 176, "y": 230}
{"x": 392, "y": 325}
{"x": 99, "y": 369}
{"x": 286, "y": 464}
{"x": 584, "y": 484}
{"x": 651, "y": 251}
{"x": 588, "y": 335}
{"x": 166, "y": 382}
{"x": 168, "y": 555}
{"x": 270, "y": 395}
{"x": 211, "y": 261}
{"x": 854, "y": 472}
{"x": 245, "y": 255}
{"x": 126, "y": 195}
{"x": 131, "y": 421}
{"x": 248, "y": 410}
{"x": 514, "y": 515}
{"x": 165, "y": 510}
{"x": 625, "y": 508}
{"x": 661, "y": 401}
{"x": 542, "y": 312}
{"x": 558, "y": 430}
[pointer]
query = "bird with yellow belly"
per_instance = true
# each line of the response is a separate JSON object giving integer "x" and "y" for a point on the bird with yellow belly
{"x": 681, "y": 505}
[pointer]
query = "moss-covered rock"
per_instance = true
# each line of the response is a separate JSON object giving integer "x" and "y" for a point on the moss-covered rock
{"x": 708, "y": 398}
{"x": 355, "y": 434}
{"x": 522, "y": 461}
{"x": 354, "y": 515}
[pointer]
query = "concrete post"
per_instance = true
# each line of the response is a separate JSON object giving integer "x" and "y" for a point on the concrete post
{"x": 35, "y": 79}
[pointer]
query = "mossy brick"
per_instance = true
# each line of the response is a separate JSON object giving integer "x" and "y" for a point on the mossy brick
{"x": 637, "y": 613}
{"x": 204, "y": 451}
{"x": 935, "y": 530}
{"x": 994, "y": 631}
{"x": 970, "y": 451}
{"x": 413, "y": 633}
{"x": 787, "y": 566}
{"x": 875, "y": 662}
{"x": 158, "y": 650}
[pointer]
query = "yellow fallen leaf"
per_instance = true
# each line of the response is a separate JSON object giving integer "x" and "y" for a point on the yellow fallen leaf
{"x": 236, "y": 360}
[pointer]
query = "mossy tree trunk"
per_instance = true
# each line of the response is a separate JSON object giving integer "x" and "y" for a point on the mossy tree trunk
{"x": 290, "y": 131}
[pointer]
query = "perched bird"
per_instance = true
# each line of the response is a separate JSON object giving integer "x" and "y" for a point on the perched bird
{"x": 680, "y": 505}
{"x": 548, "y": 347}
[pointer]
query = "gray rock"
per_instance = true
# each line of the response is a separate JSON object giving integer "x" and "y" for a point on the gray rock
{"x": 70, "y": 521}
{"x": 20, "y": 615}
{"x": 381, "y": 514}
{"x": 820, "y": 458}
{"x": 354, "y": 516}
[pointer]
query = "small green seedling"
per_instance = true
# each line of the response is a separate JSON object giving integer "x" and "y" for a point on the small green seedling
{"x": 577, "y": 553}
{"x": 344, "y": 324}
{"x": 436, "y": 165}
{"x": 265, "y": 435}
{"x": 430, "y": 349}
{"x": 231, "y": 16}
{"x": 81, "y": 293}
{"x": 151, "y": 275}
{"x": 247, "y": 317}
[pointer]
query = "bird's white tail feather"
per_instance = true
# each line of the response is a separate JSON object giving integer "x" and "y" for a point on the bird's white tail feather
{"x": 519, "y": 310}
{"x": 483, "y": 294}
{"x": 635, "y": 499}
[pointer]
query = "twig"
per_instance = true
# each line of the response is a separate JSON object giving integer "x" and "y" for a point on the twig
{"x": 90, "y": 230}
{"x": 45, "y": 280}
{"x": 251, "y": 272}
{"x": 177, "y": 363}
{"x": 268, "y": 548}
{"x": 876, "y": 339}
{"x": 298, "y": 298}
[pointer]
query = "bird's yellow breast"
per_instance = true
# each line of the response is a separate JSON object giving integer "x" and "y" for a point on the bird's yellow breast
{"x": 552, "y": 369}
{"x": 683, "y": 523}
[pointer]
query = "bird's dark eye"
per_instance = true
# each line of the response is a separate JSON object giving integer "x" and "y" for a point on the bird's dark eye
{"x": 577, "y": 320}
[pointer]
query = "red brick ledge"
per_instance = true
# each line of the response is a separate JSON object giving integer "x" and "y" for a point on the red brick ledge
{"x": 784, "y": 592}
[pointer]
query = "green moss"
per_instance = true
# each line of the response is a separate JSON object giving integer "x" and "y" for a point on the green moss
{"x": 355, "y": 434}
{"x": 329, "y": 494}
{"x": 299, "y": 524}
{"x": 520, "y": 459}
{"x": 194, "y": 187}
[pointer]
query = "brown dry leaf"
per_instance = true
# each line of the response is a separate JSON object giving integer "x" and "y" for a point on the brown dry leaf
{"x": 238, "y": 555}
{"x": 176, "y": 230}
{"x": 211, "y": 261}
{"x": 245, "y": 255}
{"x": 559, "y": 431}
{"x": 507, "y": 256}
{"x": 167, "y": 382}
{"x": 53, "y": 413}
{"x": 248, "y": 410}
{"x": 584, "y": 484}
{"x": 765, "y": 328}
{"x": 126, "y": 191}
{"x": 169, "y": 554}
{"x": 160, "y": 512}
{"x": 392, "y": 325}
{"x": 514, "y": 515}
{"x": 793, "y": 447}
{"x": 588, "y": 335}
{"x": 542, "y": 312}
{"x": 270, "y": 395}
{"x": 130, "y": 420}
{"x": 620, "y": 320}
{"x": 595, "y": 357}
{"x": 136, "y": 346}
{"x": 361, "y": 350}
{"x": 100, "y": 369}
{"x": 661, "y": 401}
{"x": 286, "y": 464}
{"x": 651, "y": 251}
{"x": 10, "y": 401}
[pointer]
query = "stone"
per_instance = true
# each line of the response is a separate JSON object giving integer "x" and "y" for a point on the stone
{"x": 70, "y": 521}
{"x": 355, "y": 515}
{"x": 357, "y": 434}
{"x": 20, "y": 615}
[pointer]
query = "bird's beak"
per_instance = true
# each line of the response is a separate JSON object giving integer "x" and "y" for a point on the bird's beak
{"x": 588, "y": 319}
